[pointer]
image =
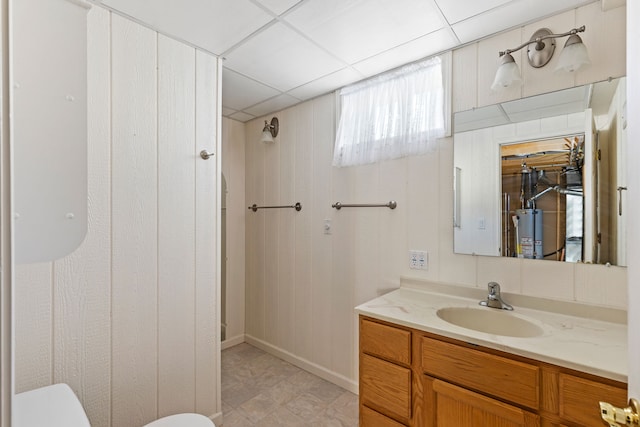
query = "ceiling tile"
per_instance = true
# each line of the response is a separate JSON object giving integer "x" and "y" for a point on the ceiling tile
{"x": 240, "y": 92}
{"x": 409, "y": 52}
{"x": 458, "y": 10}
{"x": 214, "y": 25}
{"x": 326, "y": 84}
{"x": 241, "y": 116}
{"x": 510, "y": 15}
{"x": 281, "y": 58}
{"x": 227, "y": 111}
{"x": 357, "y": 29}
{"x": 278, "y": 6}
{"x": 275, "y": 104}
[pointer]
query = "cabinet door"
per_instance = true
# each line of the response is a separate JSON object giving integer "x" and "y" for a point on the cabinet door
{"x": 579, "y": 399}
{"x": 449, "y": 405}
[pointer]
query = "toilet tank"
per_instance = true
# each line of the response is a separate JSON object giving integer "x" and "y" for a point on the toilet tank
{"x": 52, "y": 406}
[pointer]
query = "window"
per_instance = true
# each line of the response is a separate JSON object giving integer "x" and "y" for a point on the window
{"x": 396, "y": 114}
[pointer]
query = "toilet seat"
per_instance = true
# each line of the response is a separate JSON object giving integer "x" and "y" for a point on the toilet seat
{"x": 53, "y": 406}
{"x": 58, "y": 406}
{"x": 182, "y": 420}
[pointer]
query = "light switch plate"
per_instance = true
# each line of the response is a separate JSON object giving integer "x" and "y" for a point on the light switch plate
{"x": 327, "y": 226}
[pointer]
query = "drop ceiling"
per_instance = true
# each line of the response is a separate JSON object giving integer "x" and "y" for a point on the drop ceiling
{"x": 278, "y": 53}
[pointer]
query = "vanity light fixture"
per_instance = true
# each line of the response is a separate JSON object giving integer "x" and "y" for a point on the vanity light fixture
{"x": 540, "y": 49}
{"x": 270, "y": 130}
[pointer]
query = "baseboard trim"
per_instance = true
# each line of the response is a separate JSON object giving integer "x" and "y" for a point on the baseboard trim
{"x": 230, "y": 342}
{"x": 337, "y": 379}
{"x": 217, "y": 419}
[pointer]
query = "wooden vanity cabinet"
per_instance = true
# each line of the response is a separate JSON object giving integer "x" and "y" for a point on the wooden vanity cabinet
{"x": 416, "y": 379}
{"x": 385, "y": 374}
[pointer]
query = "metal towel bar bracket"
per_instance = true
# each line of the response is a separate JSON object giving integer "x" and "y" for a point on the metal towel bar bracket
{"x": 391, "y": 205}
{"x": 297, "y": 207}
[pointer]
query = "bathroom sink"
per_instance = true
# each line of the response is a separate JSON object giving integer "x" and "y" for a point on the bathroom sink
{"x": 490, "y": 321}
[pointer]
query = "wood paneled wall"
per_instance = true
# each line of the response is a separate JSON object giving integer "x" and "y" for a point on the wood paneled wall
{"x": 130, "y": 319}
{"x": 302, "y": 284}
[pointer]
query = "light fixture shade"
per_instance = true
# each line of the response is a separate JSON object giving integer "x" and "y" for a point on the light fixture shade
{"x": 266, "y": 136}
{"x": 270, "y": 130}
{"x": 574, "y": 55}
{"x": 508, "y": 73}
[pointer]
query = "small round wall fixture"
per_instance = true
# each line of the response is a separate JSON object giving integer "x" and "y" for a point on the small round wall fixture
{"x": 541, "y": 52}
{"x": 275, "y": 126}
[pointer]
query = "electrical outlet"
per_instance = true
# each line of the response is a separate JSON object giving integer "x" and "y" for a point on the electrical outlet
{"x": 413, "y": 260}
{"x": 418, "y": 260}
{"x": 423, "y": 260}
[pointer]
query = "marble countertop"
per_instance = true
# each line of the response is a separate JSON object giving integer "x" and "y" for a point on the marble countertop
{"x": 578, "y": 342}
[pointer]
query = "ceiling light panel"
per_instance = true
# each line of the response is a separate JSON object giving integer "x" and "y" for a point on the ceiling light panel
{"x": 281, "y": 58}
{"x": 214, "y": 25}
{"x": 357, "y": 29}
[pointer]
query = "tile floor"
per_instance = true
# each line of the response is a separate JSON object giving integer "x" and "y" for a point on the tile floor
{"x": 259, "y": 389}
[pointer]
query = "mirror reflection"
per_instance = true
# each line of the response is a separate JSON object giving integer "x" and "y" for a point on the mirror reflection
{"x": 543, "y": 177}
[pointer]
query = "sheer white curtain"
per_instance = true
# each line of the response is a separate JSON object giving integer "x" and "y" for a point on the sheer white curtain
{"x": 393, "y": 115}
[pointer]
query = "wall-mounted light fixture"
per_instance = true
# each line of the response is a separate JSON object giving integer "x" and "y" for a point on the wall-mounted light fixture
{"x": 540, "y": 49}
{"x": 270, "y": 130}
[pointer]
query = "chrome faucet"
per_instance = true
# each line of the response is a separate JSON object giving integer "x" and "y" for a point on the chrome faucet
{"x": 494, "y": 300}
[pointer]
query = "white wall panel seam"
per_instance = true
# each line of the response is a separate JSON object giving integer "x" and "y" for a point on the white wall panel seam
{"x": 195, "y": 228}
{"x": 52, "y": 285}
{"x": 157, "y": 183}
{"x": 110, "y": 184}
{"x": 218, "y": 261}
{"x": 111, "y": 235}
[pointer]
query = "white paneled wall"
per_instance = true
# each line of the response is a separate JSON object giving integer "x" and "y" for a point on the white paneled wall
{"x": 130, "y": 319}
{"x": 302, "y": 284}
{"x": 233, "y": 168}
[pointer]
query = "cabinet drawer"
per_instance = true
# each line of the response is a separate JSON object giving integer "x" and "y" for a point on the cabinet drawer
{"x": 385, "y": 341}
{"x": 507, "y": 379}
{"x": 371, "y": 418}
{"x": 385, "y": 386}
{"x": 579, "y": 399}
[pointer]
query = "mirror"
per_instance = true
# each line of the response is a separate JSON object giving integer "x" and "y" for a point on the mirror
{"x": 50, "y": 129}
{"x": 543, "y": 177}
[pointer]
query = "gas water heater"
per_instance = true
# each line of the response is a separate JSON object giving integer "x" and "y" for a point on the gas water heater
{"x": 530, "y": 232}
